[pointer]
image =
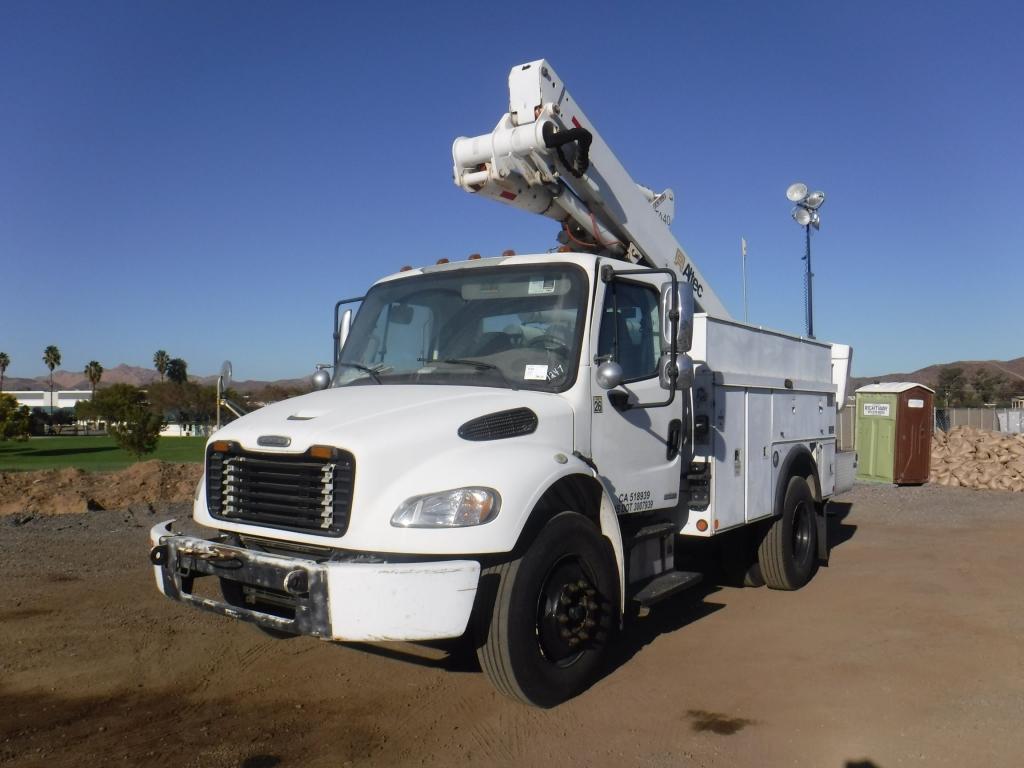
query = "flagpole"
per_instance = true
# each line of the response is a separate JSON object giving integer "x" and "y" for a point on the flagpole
{"x": 743, "y": 250}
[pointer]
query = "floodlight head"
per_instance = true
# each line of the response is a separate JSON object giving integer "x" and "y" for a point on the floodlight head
{"x": 814, "y": 200}
{"x": 815, "y": 220}
{"x": 796, "y": 192}
{"x": 802, "y": 216}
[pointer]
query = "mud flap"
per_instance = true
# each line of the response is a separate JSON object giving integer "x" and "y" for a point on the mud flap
{"x": 821, "y": 517}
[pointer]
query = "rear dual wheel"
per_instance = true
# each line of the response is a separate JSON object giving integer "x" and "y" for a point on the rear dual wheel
{"x": 554, "y": 613}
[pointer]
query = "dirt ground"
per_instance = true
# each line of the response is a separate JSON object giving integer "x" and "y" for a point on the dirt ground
{"x": 63, "y": 491}
{"x": 907, "y": 650}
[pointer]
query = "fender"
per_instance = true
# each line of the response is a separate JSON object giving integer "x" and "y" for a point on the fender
{"x": 797, "y": 454}
{"x": 607, "y": 517}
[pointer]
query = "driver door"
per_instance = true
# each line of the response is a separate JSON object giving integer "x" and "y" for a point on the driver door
{"x": 636, "y": 449}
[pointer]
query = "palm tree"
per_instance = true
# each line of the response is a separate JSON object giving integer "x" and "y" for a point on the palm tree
{"x": 51, "y": 356}
{"x": 5, "y": 360}
{"x": 94, "y": 372}
{"x": 161, "y": 360}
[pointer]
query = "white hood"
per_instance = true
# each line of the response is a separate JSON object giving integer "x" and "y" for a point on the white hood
{"x": 361, "y": 418}
{"x": 405, "y": 442}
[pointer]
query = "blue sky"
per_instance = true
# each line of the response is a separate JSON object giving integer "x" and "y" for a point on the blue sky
{"x": 208, "y": 178}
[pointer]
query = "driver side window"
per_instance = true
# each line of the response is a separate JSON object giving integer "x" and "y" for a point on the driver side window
{"x": 629, "y": 329}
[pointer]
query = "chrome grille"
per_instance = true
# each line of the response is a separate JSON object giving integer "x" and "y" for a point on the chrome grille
{"x": 291, "y": 492}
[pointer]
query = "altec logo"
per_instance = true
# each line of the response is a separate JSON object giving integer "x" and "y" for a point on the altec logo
{"x": 689, "y": 275}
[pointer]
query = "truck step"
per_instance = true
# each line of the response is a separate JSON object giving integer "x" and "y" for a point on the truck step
{"x": 650, "y": 531}
{"x": 666, "y": 585}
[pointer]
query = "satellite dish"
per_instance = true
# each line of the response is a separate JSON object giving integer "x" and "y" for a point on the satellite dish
{"x": 814, "y": 200}
{"x": 802, "y": 216}
{"x": 796, "y": 192}
{"x": 225, "y": 374}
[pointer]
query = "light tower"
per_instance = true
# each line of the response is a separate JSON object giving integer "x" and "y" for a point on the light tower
{"x": 806, "y": 215}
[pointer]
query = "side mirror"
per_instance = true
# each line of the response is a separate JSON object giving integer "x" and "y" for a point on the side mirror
{"x": 683, "y": 365}
{"x": 609, "y": 375}
{"x": 684, "y": 331}
{"x": 321, "y": 379}
{"x": 344, "y": 326}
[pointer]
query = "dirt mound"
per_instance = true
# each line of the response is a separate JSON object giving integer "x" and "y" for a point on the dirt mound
{"x": 974, "y": 458}
{"x": 63, "y": 491}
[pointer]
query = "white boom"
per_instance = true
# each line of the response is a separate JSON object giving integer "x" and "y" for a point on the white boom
{"x": 546, "y": 157}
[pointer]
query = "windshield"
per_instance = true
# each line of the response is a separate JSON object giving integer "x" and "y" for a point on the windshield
{"x": 512, "y": 327}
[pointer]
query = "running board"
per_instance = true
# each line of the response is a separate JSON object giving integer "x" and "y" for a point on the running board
{"x": 664, "y": 586}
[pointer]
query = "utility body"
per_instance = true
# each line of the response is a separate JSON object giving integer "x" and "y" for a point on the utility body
{"x": 514, "y": 448}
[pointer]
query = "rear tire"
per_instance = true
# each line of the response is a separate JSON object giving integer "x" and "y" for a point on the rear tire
{"x": 788, "y": 553}
{"x": 554, "y": 613}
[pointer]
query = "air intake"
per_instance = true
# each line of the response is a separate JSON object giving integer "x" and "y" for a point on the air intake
{"x": 500, "y": 425}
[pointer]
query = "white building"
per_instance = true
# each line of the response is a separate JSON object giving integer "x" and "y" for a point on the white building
{"x": 59, "y": 398}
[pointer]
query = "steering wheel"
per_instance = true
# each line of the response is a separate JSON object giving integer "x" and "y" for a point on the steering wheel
{"x": 551, "y": 343}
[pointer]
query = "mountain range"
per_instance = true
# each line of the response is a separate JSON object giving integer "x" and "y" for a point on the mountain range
{"x": 140, "y": 377}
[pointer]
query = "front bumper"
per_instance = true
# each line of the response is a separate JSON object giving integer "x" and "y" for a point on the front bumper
{"x": 330, "y": 600}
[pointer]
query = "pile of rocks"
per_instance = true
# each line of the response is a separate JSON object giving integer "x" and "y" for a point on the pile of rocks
{"x": 974, "y": 458}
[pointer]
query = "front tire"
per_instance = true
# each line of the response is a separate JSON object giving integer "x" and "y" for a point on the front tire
{"x": 555, "y": 611}
{"x": 788, "y": 553}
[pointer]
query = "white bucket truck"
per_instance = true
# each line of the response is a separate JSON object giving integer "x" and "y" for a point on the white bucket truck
{"x": 513, "y": 447}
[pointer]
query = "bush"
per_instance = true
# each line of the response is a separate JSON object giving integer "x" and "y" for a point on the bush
{"x": 14, "y": 419}
{"x": 139, "y": 431}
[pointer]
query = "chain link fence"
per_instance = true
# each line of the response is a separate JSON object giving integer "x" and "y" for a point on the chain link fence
{"x": 1009, "y": 420}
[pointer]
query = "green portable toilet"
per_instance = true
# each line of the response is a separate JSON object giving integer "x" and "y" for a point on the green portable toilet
{"x": 893, "y": 436}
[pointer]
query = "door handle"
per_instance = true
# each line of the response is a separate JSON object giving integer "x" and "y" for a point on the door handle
{"x": 675, "y": 433}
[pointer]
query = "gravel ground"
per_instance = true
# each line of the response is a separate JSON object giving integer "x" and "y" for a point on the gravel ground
{"x": 906, "y": 650}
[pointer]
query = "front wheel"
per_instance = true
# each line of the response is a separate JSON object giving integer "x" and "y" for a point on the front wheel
{"x": 788, "y": 553}
{"x": 554, "y": 613}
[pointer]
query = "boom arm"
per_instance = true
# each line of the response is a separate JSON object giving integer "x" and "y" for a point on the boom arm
{"x": 545, "y": 157}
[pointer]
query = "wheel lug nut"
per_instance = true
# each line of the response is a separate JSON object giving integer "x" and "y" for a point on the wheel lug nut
{"x": 591, "y": 605}
{"x": 563, "y": 619}
{"x": 564, "y": 600}
{"x": 566, "y": 635}
{"x": 581, "y": 584}
{"x": 573, "y": 642}
{"x": 589, "y": 623}
{"x": 582, "y": 635}
{"x": 591, "y": 593}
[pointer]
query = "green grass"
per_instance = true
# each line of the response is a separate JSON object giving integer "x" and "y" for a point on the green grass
{"x": 94, "y": 454}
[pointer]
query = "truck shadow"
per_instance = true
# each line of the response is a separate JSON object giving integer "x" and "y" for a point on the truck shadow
{"x": 668, "y": 616}
{"x": 839, "y": 532}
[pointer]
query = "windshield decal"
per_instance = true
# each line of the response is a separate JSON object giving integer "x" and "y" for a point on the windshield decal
{"x": 536, "y": 373}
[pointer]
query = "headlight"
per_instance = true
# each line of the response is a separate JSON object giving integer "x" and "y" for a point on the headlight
{"x": 448, "y": 509}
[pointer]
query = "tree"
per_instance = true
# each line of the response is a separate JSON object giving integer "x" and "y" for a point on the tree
{"x": 5, "y": 361}
{"x": 139, "y": 432}
{"x": 93, "y": 372}
{"x": 991, "y": 387}
{"x": 51, "y": 356}
{"x": 130, "y": 418}
{"x": 15, "y": 420}
{"x": 951, "y": 385}
{"x": 177, "y": 370}
{"x": 161, "y": 360}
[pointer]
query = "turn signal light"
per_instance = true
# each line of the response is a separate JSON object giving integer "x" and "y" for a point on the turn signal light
{"x": 220, "y": 446}
{"x": 702, "y": 525}
{"x": 509, "y": 252}
{"x": 442, "y": 261}
{"x": 474, "y": 256}
{"x": 322, "y": 452}
{"x": 406, "y": 268}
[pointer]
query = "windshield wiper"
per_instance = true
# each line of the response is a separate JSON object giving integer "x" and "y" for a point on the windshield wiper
{"x": 480, "y": 365}
{"x": 374, "y": 372}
